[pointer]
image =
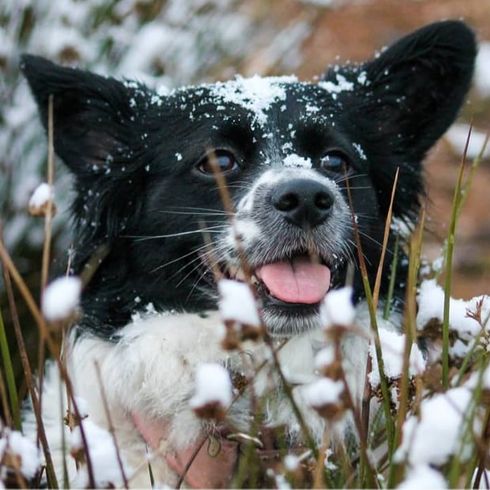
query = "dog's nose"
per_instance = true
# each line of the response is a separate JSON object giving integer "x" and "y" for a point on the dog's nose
{"x": 303, "y": 202}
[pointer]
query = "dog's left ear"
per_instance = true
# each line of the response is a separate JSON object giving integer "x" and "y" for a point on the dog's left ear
{"x": 407, "y": 97}
{"x": 416, "y": 87}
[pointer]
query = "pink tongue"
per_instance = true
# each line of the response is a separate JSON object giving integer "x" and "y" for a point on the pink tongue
{"x": 299, "y": 281}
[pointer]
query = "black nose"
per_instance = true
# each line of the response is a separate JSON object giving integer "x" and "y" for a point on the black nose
{"x": 303, "y": 202}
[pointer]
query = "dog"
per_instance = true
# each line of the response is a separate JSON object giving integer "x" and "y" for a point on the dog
{"x": 283, "y": 182}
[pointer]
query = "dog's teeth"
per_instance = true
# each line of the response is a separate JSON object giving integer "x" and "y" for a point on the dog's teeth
{"x": 240, "y": 275}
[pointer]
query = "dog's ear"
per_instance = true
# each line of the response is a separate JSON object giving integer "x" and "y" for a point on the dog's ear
{"x": 416, "y": 87}
{"x": 91, "y": 113}
{"x": 405, "y": 99}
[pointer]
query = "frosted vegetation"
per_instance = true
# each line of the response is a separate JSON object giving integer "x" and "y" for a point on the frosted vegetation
{"x": 164, "y": 44}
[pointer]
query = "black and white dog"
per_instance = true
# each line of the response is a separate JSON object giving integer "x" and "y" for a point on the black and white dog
{"x": 144, "y": 167}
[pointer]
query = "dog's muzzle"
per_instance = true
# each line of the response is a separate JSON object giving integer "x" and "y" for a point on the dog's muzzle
{"x": 292, "y": 228}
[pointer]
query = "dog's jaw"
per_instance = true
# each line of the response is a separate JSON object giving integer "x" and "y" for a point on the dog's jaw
{"x": 276, "y": 252}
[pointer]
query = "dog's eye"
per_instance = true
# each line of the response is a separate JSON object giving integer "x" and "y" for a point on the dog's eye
{"x": 334, "y": 161}
{"x": 223, "y": 160}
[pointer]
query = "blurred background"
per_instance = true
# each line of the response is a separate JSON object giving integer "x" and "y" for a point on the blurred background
{"x": 175, "y": 42}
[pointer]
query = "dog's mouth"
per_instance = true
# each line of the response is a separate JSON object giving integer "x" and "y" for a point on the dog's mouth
{"x": 298, "y": 281}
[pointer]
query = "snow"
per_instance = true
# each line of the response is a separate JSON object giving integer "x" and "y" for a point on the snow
{"x": 482, "y": 69}
{"x": 82, "y": 406}
{"x": 61, "y": 298}
{"x": 255, "y": 94}
{"x": 421, "y": 477}
{"x": 237, "y": 303}
{"x": 360, "y": 151}
{"x": 362, "y": 78}
{"x": 337, "y": 308}
{"x": 15, "y": 443}
{"x": 213, "y": 385}
{"x": 103, "y": 456}
{"x": 291, "y": 462}
{"x": 323, "y": 392}
{"x": 434, "y": 438}
{"x": 296, "y": 161}
{"x": 457, "y": 136}
{"x": 393, "y": 347}
{"x": 431, "y": 306}
{"x": 341, "y": 85}
{"x": 40, "y": 197}
{"x": 325, "y": 357}
{"x": 329, "y": 465}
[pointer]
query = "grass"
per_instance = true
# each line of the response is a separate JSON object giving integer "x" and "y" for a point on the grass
{"x": 353, "y": 463}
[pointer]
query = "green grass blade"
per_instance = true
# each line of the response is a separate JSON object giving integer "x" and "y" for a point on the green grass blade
{"x": 9, "y": 375}
{"x": 448, "y": 263}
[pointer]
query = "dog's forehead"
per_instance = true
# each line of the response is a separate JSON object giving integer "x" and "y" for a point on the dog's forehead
{"x": 257, "y": 98}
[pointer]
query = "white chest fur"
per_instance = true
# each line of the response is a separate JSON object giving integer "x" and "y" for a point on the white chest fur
{"x": 151, "y": 368}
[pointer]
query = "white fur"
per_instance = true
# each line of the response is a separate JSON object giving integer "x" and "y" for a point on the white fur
{"x": 150, "y": 370}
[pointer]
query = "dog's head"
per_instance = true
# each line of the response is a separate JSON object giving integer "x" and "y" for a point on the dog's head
{"x": 305, "y": 164}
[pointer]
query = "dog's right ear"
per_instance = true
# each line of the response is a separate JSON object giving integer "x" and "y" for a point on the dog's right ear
{"x": 91, "y": 114}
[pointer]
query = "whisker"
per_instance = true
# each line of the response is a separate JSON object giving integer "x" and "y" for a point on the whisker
{"x": 191, "y": 208}
{"x": 349, "y": 177}
{"x": 356, "y": 188}
{"x": 197, "y": 250}
{"x": 194, "y": 213}
{"x": 195, "y": 269}
{"x": 352, "y": 242}
{"x": 211, "y": 229}
{"x": 370, "y": 238}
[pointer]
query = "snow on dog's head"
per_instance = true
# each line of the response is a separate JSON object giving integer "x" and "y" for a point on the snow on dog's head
{"x": 304, "y": 165}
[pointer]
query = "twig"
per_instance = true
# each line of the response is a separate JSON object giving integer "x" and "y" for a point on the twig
{"x": 191, "y": 460}
{"x": 48, "y": 219}
{"x": 50, "y": 473}
{"x": 10, "y": 267}
{"x": 365, "y": 461}
{"x": 374, "y": 327}
{"x": 410, "y": 337}
{"x": 5, "y": 405}
{"x": 111, "y": 425}
{"x": 289, "y": 394}
{"x": 379, "y": 274}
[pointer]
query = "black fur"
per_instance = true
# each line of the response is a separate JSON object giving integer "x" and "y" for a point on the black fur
{"x": 120, "y": 141}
